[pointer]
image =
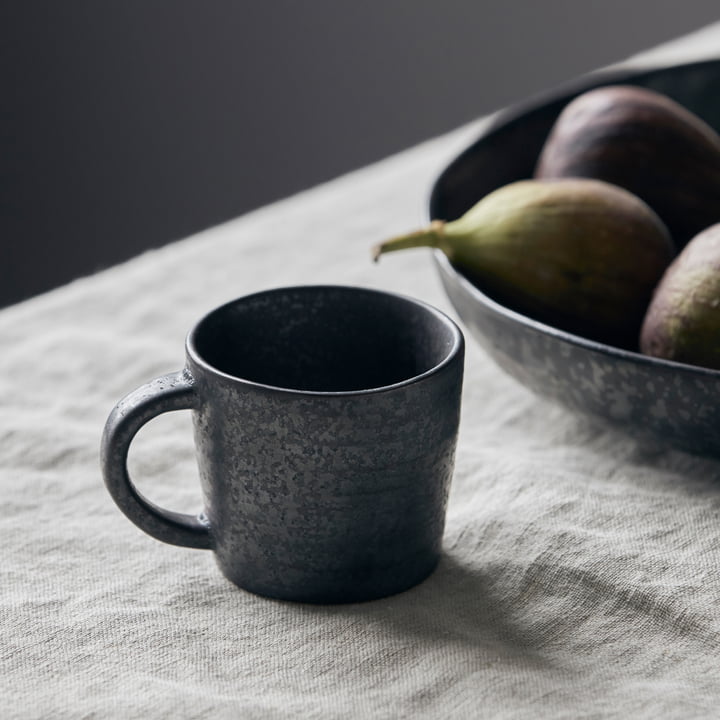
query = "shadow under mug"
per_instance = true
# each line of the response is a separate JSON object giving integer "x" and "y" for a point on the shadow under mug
{"x": 325, "y": 422}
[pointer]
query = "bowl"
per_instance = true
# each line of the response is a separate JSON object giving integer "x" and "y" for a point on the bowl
{"x": 670, "y": 403}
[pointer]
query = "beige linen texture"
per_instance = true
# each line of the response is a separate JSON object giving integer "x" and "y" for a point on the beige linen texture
{"x": 580, "y": 574}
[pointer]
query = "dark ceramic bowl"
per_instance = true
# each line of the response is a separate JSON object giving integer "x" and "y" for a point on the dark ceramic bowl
{"x": 674, "y": 404}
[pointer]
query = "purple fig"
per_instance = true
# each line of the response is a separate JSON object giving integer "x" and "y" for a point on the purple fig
{"x": 646, "y": 143}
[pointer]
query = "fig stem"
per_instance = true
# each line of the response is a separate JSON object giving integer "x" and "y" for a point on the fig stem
{"x": 431, "y": 236}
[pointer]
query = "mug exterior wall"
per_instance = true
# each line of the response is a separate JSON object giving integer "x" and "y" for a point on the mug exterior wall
{"x": 327, "y": 497}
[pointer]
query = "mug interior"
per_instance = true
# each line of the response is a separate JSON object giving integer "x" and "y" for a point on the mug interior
{"x": 325, "y": 339}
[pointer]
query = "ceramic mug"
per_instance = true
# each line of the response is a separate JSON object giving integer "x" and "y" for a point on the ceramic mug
{"x": 325, "y": 422}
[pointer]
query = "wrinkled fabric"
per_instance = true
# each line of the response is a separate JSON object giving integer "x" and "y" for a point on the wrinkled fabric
{"x": 580, "y": 570}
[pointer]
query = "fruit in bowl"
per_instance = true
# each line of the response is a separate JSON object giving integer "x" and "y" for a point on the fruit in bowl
{"x": 645, "y": 142}
{"x": 581, "y": 255}
{"x": 682, "y": 322}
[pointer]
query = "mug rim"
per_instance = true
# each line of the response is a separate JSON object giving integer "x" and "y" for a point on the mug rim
{"x": 456, "y": 348}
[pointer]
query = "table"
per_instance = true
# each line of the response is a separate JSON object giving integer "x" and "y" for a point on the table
{"x": 580, "y": 570}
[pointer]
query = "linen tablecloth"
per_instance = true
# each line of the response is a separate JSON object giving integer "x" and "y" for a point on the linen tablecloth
{"x": 580, "y": 569}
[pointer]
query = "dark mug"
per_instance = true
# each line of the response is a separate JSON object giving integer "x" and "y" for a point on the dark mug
{"x": 325, "y": 422}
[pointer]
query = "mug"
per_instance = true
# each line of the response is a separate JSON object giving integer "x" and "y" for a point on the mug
{"x": 325, "y": 423}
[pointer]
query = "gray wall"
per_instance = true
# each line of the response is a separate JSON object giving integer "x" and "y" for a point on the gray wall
{"x": 129, "y": 123}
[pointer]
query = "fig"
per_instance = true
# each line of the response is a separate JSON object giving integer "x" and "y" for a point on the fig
{"x": 579, "y": 254}
{"x": 646, "y": 143}
{"x": 683, "y": 319}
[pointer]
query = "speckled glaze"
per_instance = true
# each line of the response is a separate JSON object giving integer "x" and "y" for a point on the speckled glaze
{"x": 666, "y": 402}
{"x": 325, "y": 426}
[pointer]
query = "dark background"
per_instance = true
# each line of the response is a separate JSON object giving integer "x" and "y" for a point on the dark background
{"x": 126, "y": 124}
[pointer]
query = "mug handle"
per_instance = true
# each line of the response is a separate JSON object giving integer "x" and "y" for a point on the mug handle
{"x": 175, "y": 391}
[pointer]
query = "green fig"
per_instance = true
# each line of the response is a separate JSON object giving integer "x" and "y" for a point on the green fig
{"x": 646, "y": 143}
{"x": 683, "y": 320}
{"x": 581, "y": 255}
